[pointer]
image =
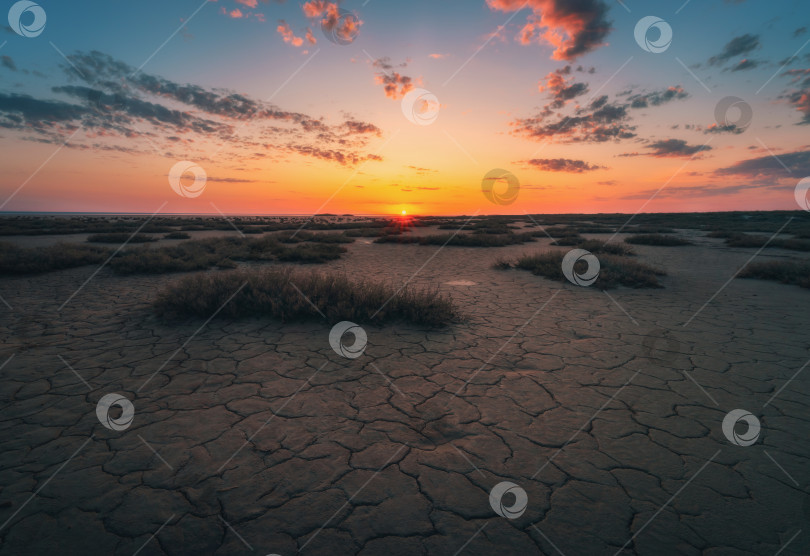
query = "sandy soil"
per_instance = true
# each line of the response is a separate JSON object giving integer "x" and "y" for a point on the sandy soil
{"x": 256, "y": 437}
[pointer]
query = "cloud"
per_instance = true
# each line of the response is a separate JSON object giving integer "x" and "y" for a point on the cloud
{"x": 800, "y": 31}
{"x": 331, "y": 21}
{"x": 395, "y": 84}
{"x": 746, "y": 64}
{"x": 287, "y": 34}
{"x": 561, "y": 88}
{"x": 671, "y": 148}
{"x": 726, "y": 128}
{"x": 572, "y": 27}
{"x": 8, "y": 63}
{"x": 563, "y": 165}
{"x": 711, "y": 190}
{"x": 436, "y": 56}
{"x": 657, "y": 98}
{"x": 420, "y": 170}
{"x": 310, "y": 37}
{"x": 769, "y": 167}
{"x": 599, "y": 122}
{"x": 237, "y": 13}
{"x": 735, "y": 47}
{"x": 124, "y": 106}
{"x": 799, "y": 98}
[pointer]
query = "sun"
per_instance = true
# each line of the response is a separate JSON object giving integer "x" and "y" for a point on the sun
{"x": 404, "y": 212}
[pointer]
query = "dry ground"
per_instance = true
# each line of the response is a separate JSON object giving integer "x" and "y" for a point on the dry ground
{"x": 256, "y": 438}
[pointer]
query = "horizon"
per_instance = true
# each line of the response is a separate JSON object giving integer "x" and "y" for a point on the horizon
{"x": 592, "y": 108}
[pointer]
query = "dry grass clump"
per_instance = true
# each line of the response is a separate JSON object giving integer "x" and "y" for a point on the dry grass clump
{"x": 461, "y": 239}
{"x": 17, "y": 260}
{"x": 273, "y": 293}
{"x": 657, "y": 239}
{"x": 204, "y": 253}
{"x": 615, "y": 270}
{"x": 786, "y": 272}
{"x": 120, "y": 238}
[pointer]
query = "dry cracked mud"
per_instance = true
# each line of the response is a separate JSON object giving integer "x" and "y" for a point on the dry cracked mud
{"x": 255, "y": 437}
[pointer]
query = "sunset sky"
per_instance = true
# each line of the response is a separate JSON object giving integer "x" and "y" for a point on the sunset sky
{"x": 97, "y": 109}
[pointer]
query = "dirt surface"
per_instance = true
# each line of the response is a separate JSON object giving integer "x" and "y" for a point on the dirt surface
{"x": 256, "y": 437}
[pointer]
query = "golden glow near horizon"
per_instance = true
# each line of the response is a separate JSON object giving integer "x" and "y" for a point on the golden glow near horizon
{"x": 415, "y": 130}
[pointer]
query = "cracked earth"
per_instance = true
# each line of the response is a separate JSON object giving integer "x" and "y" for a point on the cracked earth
{"x": 255, "y": 437}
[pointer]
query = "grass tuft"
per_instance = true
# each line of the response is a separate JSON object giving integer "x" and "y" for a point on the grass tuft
{"x": 614, "y": 270}
{"x": 657, "y": 239}
{"x": 273, "y": 293}
{"x": 120, "y": 237}
{"x": 16, "y": 260}
{"x": 786, "y": 272}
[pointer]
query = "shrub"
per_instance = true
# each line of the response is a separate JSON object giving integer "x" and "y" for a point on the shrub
{"x": 786, "y": 272}
{"x": 614, "y": 270}
{"x": 657, "y": 239}
{"x": 16, "y": 260}
{"x": 177, "y": 235}
{"x": 205, "y": 253}
{"x": 120, "y": 237}
{"x": 461, "y": 239}
{"x": 272, "y": 293}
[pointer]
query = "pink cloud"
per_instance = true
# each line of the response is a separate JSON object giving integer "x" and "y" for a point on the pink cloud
{"x": 248, "y": 3}
{"x": 343, "y": 27}
{"x": 287, "y": 34}
{"x": 572, "y": 27}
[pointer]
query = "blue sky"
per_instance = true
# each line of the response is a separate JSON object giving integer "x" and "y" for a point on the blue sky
{"x": 496, "y": 105}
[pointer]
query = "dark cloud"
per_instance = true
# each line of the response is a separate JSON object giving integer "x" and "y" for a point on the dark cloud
{"x": 737, "y": 46}
{"x": 8, "y": 63}
{"x": 799, "y": 97}
{"x": 601, "y": 120}
{"x": 746, "y": 64}
{"x": 394, "y": 83}
{"x": 726, "y": 128}
{"x": 769, "y": 167}
{"x": 800, "y": 31}
{"x": 711, "y": 190}
{"x": 560, "y": 88}
{"x": 122, "y": 104}
{"x": 563, "y": 165}
{"x": 657, "y": 98}
{"x": 671, "y": 148}
{"x": 574, "y": 27}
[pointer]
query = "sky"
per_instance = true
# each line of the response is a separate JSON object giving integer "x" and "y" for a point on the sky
{"x": 379, "y": 107}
